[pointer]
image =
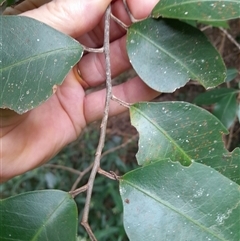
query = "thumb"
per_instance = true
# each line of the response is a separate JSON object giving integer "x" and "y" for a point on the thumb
{"x": 72, "y": 17}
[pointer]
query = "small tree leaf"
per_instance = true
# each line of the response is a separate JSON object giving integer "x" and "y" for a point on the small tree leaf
{"x": 167, "y": 53}
{"x": 166, "y": 201}
{"x": 35, "y": 58}
{"x": 226, "y": 109}
{"x": 202, "y": 10}
{"x": 231, "y": 74}
{"x": 213, "y": 96}
{"x": 39, "y": 215}
{"x": 182, "y": 132}
{"x": 223, "y": 24}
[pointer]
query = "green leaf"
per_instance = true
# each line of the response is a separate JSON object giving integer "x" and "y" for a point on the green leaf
{"x": 39, "y": 215}
{"x": 231, "y": 74}
{"x": 166, "y": 201}
{"x": 35, "y": 59}
{"x": 238, "y": 112}
{"x": 226, "y": 109}
{"x": 218, "y": 24}
{"x": 11, "y": 2}
{"x": 232, "y": 170}
{"x": 201, "y": 10}
{"x": 213, "y": 96}
{"x": 182, "y": 132}
{"x": 167, "y": 53}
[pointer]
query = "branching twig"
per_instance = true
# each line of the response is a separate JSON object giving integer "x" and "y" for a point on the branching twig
{"x": 93, "y": 50}
{"x": 69, "y": 169}
{"x": 222, "y": 44}
{"x": 205, "y": 28}
{"x": 230, "y": 136}
{"x": 76, "y": 192}
{"x": 81, "y": 175}
{"x": 97, "y": 159}
{"x": 230, "y": 38}
{"x": 118, "y": 21}
{"x": 120, "y": 102}
{"x": 120, "y": 146}
{"x": 110, "y": 175}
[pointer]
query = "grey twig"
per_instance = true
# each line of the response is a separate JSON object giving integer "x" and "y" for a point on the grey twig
{"x": 74, "y": 171}
{"x": 118, "y": 21}
{"x": 110, "y": 175}
{"x": 120, "y": 102}
{"x": 69, "y": 169}
{"x": 80, "y": 176}
{"x": 229, "y": 36}
{"x": 93, "y": 50}
{"x": 120, "y": 146}
{"x": 97, "y": 159}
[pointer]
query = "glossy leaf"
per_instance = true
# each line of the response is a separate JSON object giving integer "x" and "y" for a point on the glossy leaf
{"x": 166, "y": 201}
{"x": 223, "y": 24}
{"x": 40, "y": 215}
{"x": 35, "y": 59}
{"x": 201, "y": 10}
{"x": 225, "y": 100}
{"x": 182, "y": 132}
{"x": 167, "y": 53}
{"x": 213, "y": 96}
{"x": 226, "y": 109}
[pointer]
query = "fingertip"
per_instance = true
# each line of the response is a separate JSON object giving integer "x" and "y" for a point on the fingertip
{"x": 141, "y": 9}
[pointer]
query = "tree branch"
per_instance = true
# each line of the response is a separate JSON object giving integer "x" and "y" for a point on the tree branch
{"x": 69, "y": 169}
{"x": 81, "y": 175}
{"x": 97, "y": 159}
{"x": 229, "y": 36}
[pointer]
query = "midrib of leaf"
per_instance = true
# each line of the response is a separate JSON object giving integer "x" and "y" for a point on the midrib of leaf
{"x": 195, "y": 77}
{"x": 171, "y": 140}
{"x": 38, "y": 56}
{"x": 25, "y": 81}
{"x": 35, "y": 237}
{"x": 166, "y": 204}
{"x": 233, "y": 92}
{"x": 231, "y": 96}
{"x": 29, "y": 60}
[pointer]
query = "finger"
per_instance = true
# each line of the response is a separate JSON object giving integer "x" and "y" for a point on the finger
{"x": 72, "y": 17}
{"x": 131, "y": 91}
{"x": 143, "y": 8}
{"x": 94, "y": 39}
{"x": 140, "y": 9}
{"x": 92, "y": 65}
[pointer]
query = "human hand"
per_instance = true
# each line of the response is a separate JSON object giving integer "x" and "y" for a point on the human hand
{"x": 31, "y": 139}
